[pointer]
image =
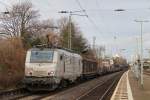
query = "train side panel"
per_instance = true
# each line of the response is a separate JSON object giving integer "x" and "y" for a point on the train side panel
{"x": 89, "y": 68}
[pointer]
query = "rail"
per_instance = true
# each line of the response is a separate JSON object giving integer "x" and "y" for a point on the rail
{"x": 112, "y": 83}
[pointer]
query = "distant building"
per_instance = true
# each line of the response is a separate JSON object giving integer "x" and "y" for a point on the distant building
{"x": 146, "y": 63}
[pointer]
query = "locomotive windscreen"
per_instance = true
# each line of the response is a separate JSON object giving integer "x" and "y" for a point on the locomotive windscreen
{"x": 41, "y": 56}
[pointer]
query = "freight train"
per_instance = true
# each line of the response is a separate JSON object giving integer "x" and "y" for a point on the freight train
{"x": 50, "y": 68}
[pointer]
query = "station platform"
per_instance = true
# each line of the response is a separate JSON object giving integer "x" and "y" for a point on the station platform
{"x": 129, "y": 88}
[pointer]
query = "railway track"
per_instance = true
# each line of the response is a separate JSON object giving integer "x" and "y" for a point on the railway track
{"x": 89, "y": 90}
{"x": 97, "y": 89}
{"x": 41, "y": 95}
{"x": 23, "y": 94}
{"x": 13, "y": 93}
{"x": 102, "y": 91}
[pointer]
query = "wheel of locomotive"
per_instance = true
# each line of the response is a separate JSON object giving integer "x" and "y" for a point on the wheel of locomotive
{"x": 63, "y": 84}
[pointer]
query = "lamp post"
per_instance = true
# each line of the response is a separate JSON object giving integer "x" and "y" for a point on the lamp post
{"x": 70, "y": 31}
{"x": 141, "y": 48}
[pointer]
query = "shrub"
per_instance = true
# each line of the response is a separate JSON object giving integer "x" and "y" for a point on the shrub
{"x": 12, "y": 57}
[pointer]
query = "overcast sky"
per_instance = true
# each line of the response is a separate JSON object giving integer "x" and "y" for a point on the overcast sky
{"x": 106, "y": 23}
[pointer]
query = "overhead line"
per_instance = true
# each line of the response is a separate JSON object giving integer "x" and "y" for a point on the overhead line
{"x": 97, "y": 2}
{"x": 78, "y": 2}
{"x": 4, "y": 4}
{"x": 90, "y": 20}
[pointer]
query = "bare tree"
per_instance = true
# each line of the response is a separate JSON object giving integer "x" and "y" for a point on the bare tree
{"x": 18, "y": 20}
{"x": 41, "y": 30}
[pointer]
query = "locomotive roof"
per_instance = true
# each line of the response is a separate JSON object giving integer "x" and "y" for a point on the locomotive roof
{"x": 55, "y": 49}
{"x": 58, "y": 48}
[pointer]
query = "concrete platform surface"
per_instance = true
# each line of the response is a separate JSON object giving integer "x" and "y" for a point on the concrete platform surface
{"x": 140, "y": 92}
{"x": 129, "y": 88}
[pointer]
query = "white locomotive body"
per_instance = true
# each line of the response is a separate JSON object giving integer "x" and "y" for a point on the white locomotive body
{"x": 46, "y": 69}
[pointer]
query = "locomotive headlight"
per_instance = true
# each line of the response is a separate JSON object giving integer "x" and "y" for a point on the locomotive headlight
{"x": 30, "y": 73}
{"x": 51, "y": 73}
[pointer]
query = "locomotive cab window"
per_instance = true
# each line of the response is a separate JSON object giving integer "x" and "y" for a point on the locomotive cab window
{"x": 41, "y": 56}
